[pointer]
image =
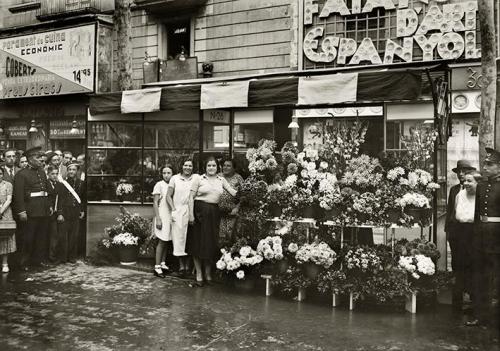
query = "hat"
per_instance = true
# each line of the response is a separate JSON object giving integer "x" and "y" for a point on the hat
{"x": 463, "y": 164}
{"x": 73, "y": 163}
{"x": 50, "y": 155}
{"x": 33, "y": 151}
{"x": 492, "y": 155}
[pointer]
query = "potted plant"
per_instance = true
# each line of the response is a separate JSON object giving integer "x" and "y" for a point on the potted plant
{"x": 415, "y": 205}
{"x": 124, "y": 190}
{"x": 237, "y": 263}
{"x": 314, "y": 257}
{"x": 127, "y": 246}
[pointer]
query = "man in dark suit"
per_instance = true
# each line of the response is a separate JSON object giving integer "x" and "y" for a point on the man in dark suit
{"x": 32, "y": 205}
{"x": 9, "y": 167}
{"x": 458, "y": 238}
{"x": 54, "y": 227}
{"x": 487, "y": 241}
{"x": 69, "y": 212}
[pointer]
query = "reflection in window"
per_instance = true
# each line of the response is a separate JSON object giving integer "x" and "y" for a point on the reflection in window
{"x": 112, "y": 161}
{"x": 171, "y": 135}
{"x": 115, "y": 134}
{"x": 114, "y": 189}
{"x": 248, "y": 135}
{"x": 215, "y": 137}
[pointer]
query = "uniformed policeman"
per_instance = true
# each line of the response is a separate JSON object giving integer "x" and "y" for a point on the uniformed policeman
{"x": 32, "y": 205}
{"x": 487, "y": 239}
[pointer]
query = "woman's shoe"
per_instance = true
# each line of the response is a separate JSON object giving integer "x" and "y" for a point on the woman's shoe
{"x": 165, "y": 269}
{"x": 158, "y": 272}
{"x": 199, "y": 283}
{"x": 5, "y": 268}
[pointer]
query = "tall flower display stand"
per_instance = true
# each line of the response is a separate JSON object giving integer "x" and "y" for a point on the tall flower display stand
{"x": 411, "y": 303}
{"x": 335, "y": 300}
{"x": 301, "y": 294}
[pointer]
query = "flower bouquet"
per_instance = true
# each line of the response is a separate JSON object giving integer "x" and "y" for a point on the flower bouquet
{"x": 315, "y": 256}
{"x": 332, "y": 281}
{"x": 415, "y": 205}
{"x": 421, "y": 273}
{"x": 238, "y": 261}
{"x": 363, "y": 172}
{"x": 360, "y": 263}
{"x": 276, "y": 199}
{"x": 261, "y": 161}
{"x": 124, "y": 190}
{"x": 366, "y": 207}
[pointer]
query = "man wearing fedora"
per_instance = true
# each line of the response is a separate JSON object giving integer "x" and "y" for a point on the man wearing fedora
{"x": 487, "y": 242}
{"x": 459, "y": 230}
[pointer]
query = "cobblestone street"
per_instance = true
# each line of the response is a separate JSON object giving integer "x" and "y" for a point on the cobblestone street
{"x": 81, "y": 307}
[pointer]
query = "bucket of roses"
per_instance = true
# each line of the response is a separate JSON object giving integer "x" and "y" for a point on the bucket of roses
{"x": 315, "y": 257}
{"x": 360, "y": 263}
{"x": 238, "y": 262}
{"x": 127, "y": 246}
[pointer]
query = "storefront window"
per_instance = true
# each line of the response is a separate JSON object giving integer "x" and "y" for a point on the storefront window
{"x": 115, "y": 134}
{"x": 125, "y": 157}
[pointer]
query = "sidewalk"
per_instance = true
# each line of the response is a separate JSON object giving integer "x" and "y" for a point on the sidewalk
{"x": 81, "y": 307}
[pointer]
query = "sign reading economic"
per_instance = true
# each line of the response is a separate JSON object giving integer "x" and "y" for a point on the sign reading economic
{"x": 445, "y": 30}
{"x": 49, "y": 63}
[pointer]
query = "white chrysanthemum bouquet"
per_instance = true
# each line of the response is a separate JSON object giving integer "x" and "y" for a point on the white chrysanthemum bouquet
{"x": 417, "y": 265}
{"x": 270, "y": 248}
{"x": 317, "y": 253}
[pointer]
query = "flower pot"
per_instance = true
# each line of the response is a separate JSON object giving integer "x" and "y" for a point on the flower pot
{"x": 363, "y": 217}
{"x": 332, "y": 214}
{"x": 244, "y": 285}
{"x": 311, "y": 270}
{"x": 282, "y": 266}
{"x": 128, "y": 254}
{"x": 309, "y": 212}
{"x": 275, "y": 210}
{"x": 393, "y": 215}
{"x": 418, "y": 214}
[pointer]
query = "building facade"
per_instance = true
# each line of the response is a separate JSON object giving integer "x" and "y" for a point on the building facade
{"x": 192, "y": 42}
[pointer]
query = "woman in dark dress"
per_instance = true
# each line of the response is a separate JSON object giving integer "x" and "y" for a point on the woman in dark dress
{"x": 202, "y": 243}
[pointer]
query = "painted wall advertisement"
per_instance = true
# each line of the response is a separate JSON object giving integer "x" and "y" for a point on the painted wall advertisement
{"x": 50, "y": 63}
{"x": 342, "y": 32}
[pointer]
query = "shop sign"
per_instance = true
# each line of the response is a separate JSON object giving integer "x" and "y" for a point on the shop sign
{"x": 216, "y": 116}
{"x": 49, "y": 63}
{"x": 440, "y": 30}
{"x": 467, "y": 78}
{"x": 61, "y": 129}
{"x": 17, "y": 130}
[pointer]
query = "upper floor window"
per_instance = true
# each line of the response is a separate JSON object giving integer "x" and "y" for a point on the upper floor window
{"x": 178, "y": 39}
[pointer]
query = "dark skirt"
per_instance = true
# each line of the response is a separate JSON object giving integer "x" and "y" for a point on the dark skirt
{"x": 203, "y": 241}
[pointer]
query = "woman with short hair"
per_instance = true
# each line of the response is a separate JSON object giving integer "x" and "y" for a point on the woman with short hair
{"x": 204, "y": 213}
{"x": 228, "y": 206}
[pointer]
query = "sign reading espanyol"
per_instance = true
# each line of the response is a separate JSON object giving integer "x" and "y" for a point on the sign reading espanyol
{"x": 49, "y": 63}
{"x": 389, "y": 31}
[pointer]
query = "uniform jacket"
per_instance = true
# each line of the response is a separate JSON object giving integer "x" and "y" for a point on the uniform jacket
{"x": 31, "y": 180}
{"x": 67, "y": 206}
{"x": 488, "y": 204}
{"x": 7, "y": 177}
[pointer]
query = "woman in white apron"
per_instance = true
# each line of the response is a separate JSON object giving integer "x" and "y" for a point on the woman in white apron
{"x": 162, "y": 222}
{"x": 179, "y": 189}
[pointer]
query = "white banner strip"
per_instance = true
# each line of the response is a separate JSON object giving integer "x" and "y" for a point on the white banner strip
{"x": 223, "y": 95}
{"x": 329, "y": 89}
{"x": 142, "y": 100}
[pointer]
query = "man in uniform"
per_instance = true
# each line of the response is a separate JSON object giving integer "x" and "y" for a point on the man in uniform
{"x": 487, "y": 240}
{"x": 32, "y": 204}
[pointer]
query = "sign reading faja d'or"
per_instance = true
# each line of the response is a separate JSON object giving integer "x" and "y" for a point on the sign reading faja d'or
{"x": 48, "y": 63}
{"x": 389, "y": 30}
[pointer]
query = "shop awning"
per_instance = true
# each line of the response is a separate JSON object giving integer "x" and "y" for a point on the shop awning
{"x": 372, "y": 87}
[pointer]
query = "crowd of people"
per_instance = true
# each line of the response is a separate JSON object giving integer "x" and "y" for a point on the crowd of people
{"x": 42, "y": 198}
{"x": 194, "y": 212}
{"x": 473, "y": 232}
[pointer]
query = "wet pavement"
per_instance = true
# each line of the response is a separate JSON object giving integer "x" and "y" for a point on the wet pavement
{"x": 81, "y": 307}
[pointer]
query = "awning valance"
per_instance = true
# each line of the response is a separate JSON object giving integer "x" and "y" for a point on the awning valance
{"x": 377, "y": 87}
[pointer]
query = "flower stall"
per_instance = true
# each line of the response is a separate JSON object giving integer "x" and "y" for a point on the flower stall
{"x": 296, "y": 209}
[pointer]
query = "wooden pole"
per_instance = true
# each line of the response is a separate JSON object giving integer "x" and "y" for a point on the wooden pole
{"x": 487, "y": 121}
{"x": 123, "y": 28}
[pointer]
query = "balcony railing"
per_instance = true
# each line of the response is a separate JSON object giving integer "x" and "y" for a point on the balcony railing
{"x": 52, "y": 9}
